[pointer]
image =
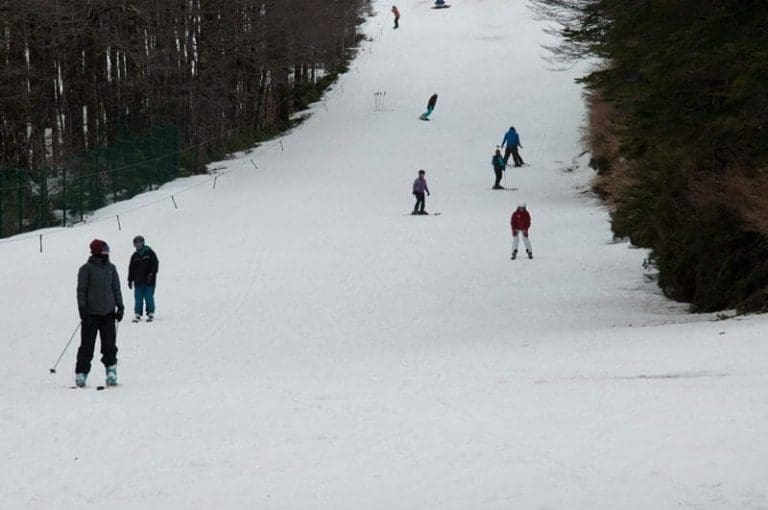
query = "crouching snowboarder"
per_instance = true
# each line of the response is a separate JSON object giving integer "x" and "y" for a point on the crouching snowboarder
{"x": 420, "y": 187}
{"x": 100, "y": 304}
{"x": 498, "y": 168}
{"x": 142, "y": 278}
{"x": 430, "y": 107}
{"x": 521, "y": 222}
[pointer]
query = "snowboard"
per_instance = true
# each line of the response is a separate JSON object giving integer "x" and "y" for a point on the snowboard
{"x": 425, "y": 214}
{"x": 444, "y": 6}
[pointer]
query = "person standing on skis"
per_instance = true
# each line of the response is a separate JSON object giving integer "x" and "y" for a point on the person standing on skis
{"x": 419, "y": 188}
{"x": 396, "y": 14}
{"x": 142, "y": 278}
{"x": 512, "y": 141}
{"x": 430, "y": 107}
{"x": 100, "y": 304}
{"x": 498, "y": 168}
{"x": 521, "y": 222}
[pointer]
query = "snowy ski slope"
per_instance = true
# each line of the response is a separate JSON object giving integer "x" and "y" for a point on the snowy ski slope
{"x": 315, "y": 347}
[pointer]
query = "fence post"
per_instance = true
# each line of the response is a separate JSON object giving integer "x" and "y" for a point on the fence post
{"x": 1, "y": 201}
{"x": 21, "y": 200}
{"x": 64, "y": 196}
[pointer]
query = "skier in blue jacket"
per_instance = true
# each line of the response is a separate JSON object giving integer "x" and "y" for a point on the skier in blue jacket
{"x": 512, "y": 141}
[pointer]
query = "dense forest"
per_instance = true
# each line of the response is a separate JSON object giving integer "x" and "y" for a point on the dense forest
{"x": 102, "y": 99}
{"x": 678, "y": 131}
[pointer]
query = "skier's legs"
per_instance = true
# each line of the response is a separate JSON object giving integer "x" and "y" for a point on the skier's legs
{"x": 516, "y": 155}
{"x": 419, "y": 201}
{"x": 428, "y": 113}
{"x": 88, "y": 332}
{"x": 108, "y": 340}
{"x": 149, "y": 296}
{"x": 397, "y": 21}
{"x": 497, "y": 170}
{"x": 515, "y": 240}
{"x": 507, "y": 152}
{"x": 138, "y": 298}
{"x": 526, "y": 241}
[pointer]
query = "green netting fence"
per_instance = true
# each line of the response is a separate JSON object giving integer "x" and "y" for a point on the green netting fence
{"x": 62, "y": 195}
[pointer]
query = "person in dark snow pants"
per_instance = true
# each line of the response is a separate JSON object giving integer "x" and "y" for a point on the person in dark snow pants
{"x": 420, "y": 187}
{"x": 430, "y": 107}
{"x": 512, "y": 141}
{"x": 520, "y": 223}
{"x": 100, "y": 304}
{"x": 498, "y": 168}
{"x": 142, "y": 278}
{"x": 396, "y": 14}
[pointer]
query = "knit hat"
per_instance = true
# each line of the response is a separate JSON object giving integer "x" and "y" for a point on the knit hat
{"x": 521, "y": 205}
{"x": 138, "y": 239}
{"x": 99, "y": 247}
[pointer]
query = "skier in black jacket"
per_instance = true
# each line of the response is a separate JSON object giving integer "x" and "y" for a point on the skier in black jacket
{"x": 142, "y": 278}
{"x": 100, "y": 304}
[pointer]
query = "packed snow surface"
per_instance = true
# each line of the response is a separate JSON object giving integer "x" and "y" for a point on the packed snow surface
{"x": 317, "y": 347}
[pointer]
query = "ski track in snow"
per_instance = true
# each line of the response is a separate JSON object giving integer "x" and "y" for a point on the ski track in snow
{"x": 317, "y": 348}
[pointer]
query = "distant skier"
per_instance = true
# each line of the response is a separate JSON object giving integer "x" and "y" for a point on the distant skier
{"x": 498, "y": 168}
{"x": 142, "y": 278}
{"x": 512, "y": 141}
{"x": 419, "y": 188}
{"x": 521, "y": 222}
{"x": 430, "y": 107}
{"x": 439, "y": 3}
{"x": 100, "y": 304}
{"x": 396, "y": 14}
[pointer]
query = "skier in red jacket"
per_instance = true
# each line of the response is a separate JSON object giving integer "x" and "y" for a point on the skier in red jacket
{"x": 396, "y": 14}
{"x": 521, "y": 222}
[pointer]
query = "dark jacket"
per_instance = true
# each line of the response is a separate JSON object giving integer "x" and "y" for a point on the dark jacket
{"x": 432, "y": 102}
{"x": 498, "y": 162}
{"x": 143, "y": 267}
{"x": 98, "y": 287}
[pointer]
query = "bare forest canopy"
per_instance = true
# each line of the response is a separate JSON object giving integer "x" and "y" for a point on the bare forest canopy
{"x": 102, "y": 99}
{"x": 678, "y": 131}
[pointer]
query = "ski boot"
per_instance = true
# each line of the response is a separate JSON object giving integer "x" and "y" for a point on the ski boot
{"x": 80, "y": 380}
{"x": 514, "y": 255}
{"x": 136, "y": 319}
{"x": 112, "y": 375}
{"x": 530, "y": 254}
{"x": 150, "y": 317}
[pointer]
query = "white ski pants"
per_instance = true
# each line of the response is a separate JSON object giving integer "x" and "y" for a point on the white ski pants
{"x": 516, "y": 240}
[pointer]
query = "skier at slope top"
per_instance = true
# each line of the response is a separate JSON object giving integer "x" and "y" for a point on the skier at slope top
{"x": 396, "y": 14}
{"x": 430, "y": 107}
{"x": 100, "y": 304}
{"x": 521, "y": 222}
{"x": 419, "y": 188}
{"x": 512, "y": 141}
{"x": 498, "y": 168}
{"x": 142, "y": 278}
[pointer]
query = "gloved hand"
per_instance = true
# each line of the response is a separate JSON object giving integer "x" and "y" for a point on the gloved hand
{"x": 429, "y": 194}
{"x": 120, "y": 313}
{"x": 130, "y": 284}
{"x": 83, "y": 314}
{"x": 150, "y": 278}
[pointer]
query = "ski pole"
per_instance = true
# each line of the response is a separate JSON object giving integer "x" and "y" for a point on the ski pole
{"x": 53, "y": 370}
{"x": 505, "y": 177}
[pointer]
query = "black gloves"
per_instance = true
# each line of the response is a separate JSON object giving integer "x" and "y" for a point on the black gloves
{"x": 83, "y": 314}
{"x": 119, "y": 314}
